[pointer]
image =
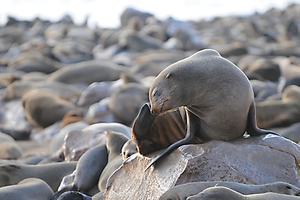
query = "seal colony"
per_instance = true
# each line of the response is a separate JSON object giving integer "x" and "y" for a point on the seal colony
{"x": 82, "y": 108}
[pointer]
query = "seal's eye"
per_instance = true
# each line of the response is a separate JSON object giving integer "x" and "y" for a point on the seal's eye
{"x": 155, "y": 92}
{"x": 169, "y": 75}
{"x": 288, "y": 187}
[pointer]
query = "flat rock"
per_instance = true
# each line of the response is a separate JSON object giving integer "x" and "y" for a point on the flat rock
{"x": 256, "y": 160}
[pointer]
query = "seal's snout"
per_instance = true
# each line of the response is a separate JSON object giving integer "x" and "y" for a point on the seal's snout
{"x": 155, "y": 100}
{"x": 153, "y": 111}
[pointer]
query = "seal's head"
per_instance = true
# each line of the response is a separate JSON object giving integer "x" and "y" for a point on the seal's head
{"x": 178, "y": 83}
{"x": 128, "y": 149}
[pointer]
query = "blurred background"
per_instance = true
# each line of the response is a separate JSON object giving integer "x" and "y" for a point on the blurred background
{"x": 106, "y": 13}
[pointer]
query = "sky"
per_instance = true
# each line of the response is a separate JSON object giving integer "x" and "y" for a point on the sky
{"x": 105, "y": 13}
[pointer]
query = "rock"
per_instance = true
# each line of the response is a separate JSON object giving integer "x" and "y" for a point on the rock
{"x": 256, "y": 160}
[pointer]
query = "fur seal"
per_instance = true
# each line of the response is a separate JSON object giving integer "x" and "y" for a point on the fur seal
{"x": 207, "y": 108}
{"x": 18, "y": 88}
{"x": 38, "y": 104}
{"x": 87, "y": 72}
{"x": 72, "y": 195}
{"x": 114, "y": 145}
{"x": 125, "y": 103}
{"x": 87, "y": 172}
{"x": 27, "y": 189}
{"x": 9, "y": 149}
{"x": 89, "y": 168}
{"x": 128, "y": 149}
{"x": 152, "y": 133}
{"x": 50, "y": 173}
{"x": 279, "y": 113}
{"x": 181, "y": 192}
{"x": 223, "y": 193}
{"x": 72, "y": 116}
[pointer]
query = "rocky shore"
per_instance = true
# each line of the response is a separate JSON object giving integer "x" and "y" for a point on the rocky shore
{"x": 69, "y": 95}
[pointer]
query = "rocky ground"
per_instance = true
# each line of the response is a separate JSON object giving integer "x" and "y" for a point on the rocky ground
{"x": 70, "y": 93}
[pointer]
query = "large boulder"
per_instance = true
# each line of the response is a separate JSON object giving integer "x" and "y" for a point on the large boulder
{"x": 256, "y": 160}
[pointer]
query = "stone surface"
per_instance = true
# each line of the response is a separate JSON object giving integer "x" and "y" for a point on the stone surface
{"x": 254, "y": 161}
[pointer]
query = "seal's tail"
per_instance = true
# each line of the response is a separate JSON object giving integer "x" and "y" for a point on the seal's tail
{"x": 252, "y": 128}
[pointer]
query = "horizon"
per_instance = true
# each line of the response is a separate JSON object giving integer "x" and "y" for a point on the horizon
{"x": 106, "y": 14}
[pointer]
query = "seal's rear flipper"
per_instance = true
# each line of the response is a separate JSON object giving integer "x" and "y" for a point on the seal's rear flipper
{"x": 252, "y": 128}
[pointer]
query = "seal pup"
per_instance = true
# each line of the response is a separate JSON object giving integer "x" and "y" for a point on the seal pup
{"x": 128, "y": 149}
{"x": 27, "y": 189}
{"x": 87, "y": 172}
{"x": 114, "y": 144}
{"x": 181, "y": 192}
{"x": 223, "y": 193}
{"x": 218, "y": 102}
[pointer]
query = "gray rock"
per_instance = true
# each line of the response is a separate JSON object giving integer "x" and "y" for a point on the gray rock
{"x": 256, "y": 160}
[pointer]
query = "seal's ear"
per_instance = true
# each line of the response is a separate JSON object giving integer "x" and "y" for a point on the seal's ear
{"x": 143, "y": 122}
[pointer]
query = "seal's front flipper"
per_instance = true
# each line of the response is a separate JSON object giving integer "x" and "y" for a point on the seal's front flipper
{"x": 190, "y": 133}
{"x": 143, "y": 121}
